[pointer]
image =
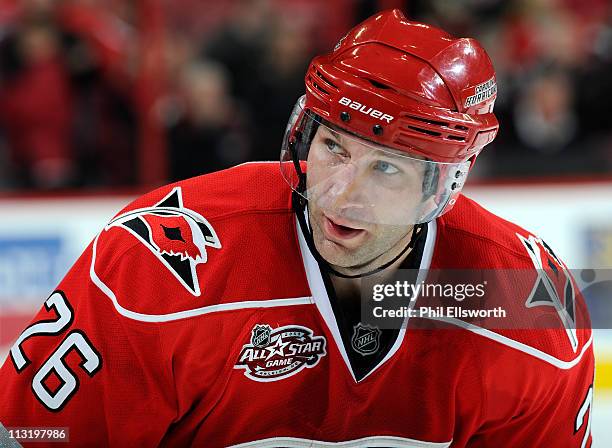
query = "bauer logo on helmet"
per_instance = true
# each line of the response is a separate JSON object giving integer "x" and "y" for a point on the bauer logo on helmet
{"x": 365, "y": 109}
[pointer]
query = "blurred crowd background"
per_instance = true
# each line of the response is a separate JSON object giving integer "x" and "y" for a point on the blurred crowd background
{"x": 135, "y": 93}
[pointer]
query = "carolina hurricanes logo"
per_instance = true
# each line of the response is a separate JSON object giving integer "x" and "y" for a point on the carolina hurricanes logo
{"x": 173, "y": 236}
{"x": 176, "y": 235}
{"x": 272, "y": 355}
{"x": 553, "y": 286}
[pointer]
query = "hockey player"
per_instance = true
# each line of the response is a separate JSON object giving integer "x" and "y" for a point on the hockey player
{"x": 224, "y": 310}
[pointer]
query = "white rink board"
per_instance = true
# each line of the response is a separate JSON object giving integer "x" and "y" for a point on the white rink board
{"x": 557, "y": 213}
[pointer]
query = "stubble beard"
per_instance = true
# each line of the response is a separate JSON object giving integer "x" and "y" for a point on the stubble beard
{"x": 384, "y": 243}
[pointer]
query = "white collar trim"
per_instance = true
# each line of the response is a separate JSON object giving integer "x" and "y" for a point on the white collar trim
{"x": 321, "y": 299}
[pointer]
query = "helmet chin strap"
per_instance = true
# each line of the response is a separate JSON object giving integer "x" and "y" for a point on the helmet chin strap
{"x": 299, "y": 206}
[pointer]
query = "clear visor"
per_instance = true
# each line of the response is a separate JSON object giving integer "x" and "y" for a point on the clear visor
{"x": 359, "y": 183}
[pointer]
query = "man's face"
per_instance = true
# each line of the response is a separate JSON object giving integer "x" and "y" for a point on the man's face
{"x": 361, "y": 200}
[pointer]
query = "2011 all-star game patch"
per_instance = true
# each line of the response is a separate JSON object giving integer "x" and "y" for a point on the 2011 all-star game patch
{"x": 275, "y": 354}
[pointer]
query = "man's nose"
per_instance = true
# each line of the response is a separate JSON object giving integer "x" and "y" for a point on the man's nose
{"x": 347, "y": 186}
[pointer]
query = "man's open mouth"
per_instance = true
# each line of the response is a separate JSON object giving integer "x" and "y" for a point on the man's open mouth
{"x": 337, "y": 231}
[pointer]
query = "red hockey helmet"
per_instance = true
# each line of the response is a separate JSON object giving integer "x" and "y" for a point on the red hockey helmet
{"x": 403, "y": 89}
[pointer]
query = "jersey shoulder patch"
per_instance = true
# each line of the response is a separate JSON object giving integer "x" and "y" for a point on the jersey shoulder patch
{"x": 544, "y": 312}
{"x": 164, "y": 257}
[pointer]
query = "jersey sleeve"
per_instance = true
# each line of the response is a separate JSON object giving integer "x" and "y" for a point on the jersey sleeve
{"x": 540, "y": 393}
{"x": 83, "y": 367}
{"x": 536, "y": 362}
{"x": 538, "y": 404}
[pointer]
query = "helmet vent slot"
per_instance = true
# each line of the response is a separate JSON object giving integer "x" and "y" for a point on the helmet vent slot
{"x": 428, "y": 121}
{"x": 378, "y": 84}
{"x": 325, "y": 79}
{"x": 461, "y": 128}
{"x": 310, "y": 81}
{"x": 425, "y": 131}
{"x": 318, "y": 87}
{"x": 456, "y": 138}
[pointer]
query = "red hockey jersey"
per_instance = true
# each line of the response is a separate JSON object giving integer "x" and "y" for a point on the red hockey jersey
{"x": 198, "y": 317}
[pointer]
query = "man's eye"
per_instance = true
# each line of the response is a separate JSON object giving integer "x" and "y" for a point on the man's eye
{"x": 334, "y": 147}
{"x": 385, "y": 167}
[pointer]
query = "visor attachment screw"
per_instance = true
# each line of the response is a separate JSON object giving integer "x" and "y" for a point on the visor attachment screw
{"x": 377, "y": 129}
{"x": 344, "y": 116}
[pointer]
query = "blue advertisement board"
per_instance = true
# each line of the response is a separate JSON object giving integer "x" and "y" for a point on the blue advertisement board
{"x": 30, "y": 267}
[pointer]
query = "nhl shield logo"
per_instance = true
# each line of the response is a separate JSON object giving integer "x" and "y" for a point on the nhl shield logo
{"x": 275, "y": 354}
{"x": 366, "y": 339}
{"x": 260, "y": 336}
